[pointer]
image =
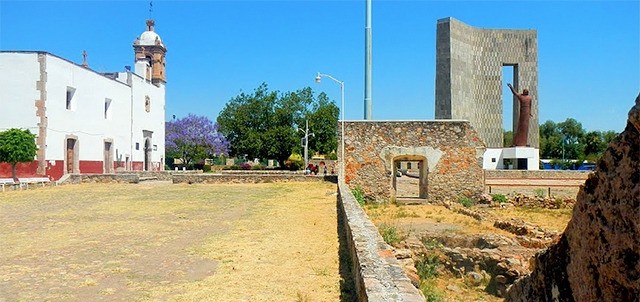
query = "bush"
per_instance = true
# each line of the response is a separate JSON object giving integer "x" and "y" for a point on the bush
{"x": 245, "y": 166}
{"x": 499, "y": 198}
{"x": 358, "y": 193}
{"x": 332, "y": 156}
{"x": 427, "y": 266}
{"x": 539, "y": 193}
{"x": 295, "y": 162}
{"x": 465, "y": 201}
{"x": 390, "y": 234}
{"x": 257, "y": 167}
{"x": 206, "y": 168}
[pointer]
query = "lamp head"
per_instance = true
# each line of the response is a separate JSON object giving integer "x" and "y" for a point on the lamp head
{"x": 318, "y": 78}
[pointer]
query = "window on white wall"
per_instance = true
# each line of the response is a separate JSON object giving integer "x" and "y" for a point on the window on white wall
{"x": 70, "y": 104}
{"x": 107, "y": 109}
{"x": 147, "y": 103}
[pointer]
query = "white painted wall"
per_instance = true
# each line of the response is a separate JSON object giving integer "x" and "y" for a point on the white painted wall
{"x": 86, "y": 119}
{"x": 19, "y": 73}
{"x": 489, "y": 155}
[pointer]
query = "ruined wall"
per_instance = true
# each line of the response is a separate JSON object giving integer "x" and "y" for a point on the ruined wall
{"x": 452, "y": 151}
{"x": 469, "y": 63}
{"x": 598, "y": 256}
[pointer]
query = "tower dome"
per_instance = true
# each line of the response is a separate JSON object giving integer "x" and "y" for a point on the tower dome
{"x": 150, "y": 55}
{"x": 149, "y": 37}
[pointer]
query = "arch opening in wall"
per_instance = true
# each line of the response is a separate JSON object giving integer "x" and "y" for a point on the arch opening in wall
{"x": 409, "y": 177}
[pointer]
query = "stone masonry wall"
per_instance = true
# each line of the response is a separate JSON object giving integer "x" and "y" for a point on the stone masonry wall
{"x": 451, "y": 149}
{"x": 377, "y": 274}
{"x": 537, "y": 174}
{"x": 598, "y": 256}
{"x": 225, "y": 178}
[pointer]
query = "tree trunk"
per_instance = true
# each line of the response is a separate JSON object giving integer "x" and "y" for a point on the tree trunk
{"x": 14, "y": 173}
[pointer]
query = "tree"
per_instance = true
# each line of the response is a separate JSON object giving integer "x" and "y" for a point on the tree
{"x": 263, "y": 124}
{"x": 17, "y": 146}
{"x": 323, "y": 122}
{"x": 194, "y": 138}
{"x": 507, "y": 139}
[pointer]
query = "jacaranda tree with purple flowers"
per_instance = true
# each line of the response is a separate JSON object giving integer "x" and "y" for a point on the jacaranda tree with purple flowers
{"x": 194, "y": 138}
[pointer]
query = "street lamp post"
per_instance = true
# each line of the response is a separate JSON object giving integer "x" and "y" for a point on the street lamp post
{"x": 341, "y": 83}
{"x": 306, "y": 144}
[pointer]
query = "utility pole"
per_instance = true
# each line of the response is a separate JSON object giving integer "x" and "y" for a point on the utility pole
{"x": 306, "y": 144}
{"x": 368, "y": 62}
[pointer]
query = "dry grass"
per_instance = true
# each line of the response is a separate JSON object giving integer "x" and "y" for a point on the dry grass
{"x": 115, "y": 242}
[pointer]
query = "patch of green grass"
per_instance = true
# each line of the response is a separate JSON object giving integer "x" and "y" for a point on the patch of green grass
{"x": 358, "y": 193}
{"x": 390, "y": 234}
{"x": 465, "y": 201}
{"x": 499, "y": 198}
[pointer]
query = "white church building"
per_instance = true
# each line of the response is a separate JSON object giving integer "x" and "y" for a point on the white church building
{"x": 86, "y": 121}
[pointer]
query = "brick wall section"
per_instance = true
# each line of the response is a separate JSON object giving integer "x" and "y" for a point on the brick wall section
{"x": 452, "y": 149}
{"x": 377, "y": 275}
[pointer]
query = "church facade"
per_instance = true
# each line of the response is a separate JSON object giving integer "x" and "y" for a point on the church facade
{"x": 86, "y": 121}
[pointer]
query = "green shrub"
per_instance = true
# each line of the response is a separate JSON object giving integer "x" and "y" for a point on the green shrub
{"x": 358, "y": 193}
{"x": 539, "y": 193}
{"x": 499, "y": 198}
{"x": 465, "y": 201}
{"x": 427, "y": 266}
{"x": 332, "y": 156}
{"x": 206, "y": 168}
{"x": 390, "y": 234}
{"x": 257, "y": 167}
{"x": 294, "y": 162}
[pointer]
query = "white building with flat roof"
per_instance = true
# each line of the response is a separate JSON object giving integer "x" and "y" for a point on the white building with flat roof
{"x": 86, "y": 121}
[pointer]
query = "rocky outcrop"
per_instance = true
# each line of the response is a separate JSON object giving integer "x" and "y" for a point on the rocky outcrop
{"x": 598, "y": 256}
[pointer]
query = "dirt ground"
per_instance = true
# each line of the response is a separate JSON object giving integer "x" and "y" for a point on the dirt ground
{"x": 165, "y": 242}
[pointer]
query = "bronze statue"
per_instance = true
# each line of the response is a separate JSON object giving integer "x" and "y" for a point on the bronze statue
{"x": 522, "y": 130}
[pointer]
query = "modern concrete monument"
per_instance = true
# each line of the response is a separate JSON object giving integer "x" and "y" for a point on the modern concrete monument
{"x": 469, "y": 82}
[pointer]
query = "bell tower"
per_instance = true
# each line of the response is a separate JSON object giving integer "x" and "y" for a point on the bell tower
{"x": 150, "y": 55}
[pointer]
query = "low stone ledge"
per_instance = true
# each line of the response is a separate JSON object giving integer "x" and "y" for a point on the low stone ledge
{"x": 102, "y": 178}
{"x": 377, "y": 274}
{"x": 247, "y": 178}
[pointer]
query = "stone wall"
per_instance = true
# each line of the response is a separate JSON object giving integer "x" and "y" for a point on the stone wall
{"x": 376, "y": 273}
{"x": 537, "y": 174}
{"x": 247, "y": 177}
{"x": 598, "y": 256}
{"x": 450, "y": 150}
{"x": 102, "y": 178}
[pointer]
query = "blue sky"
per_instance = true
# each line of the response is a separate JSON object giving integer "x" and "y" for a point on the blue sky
{"x": 588, "y": 51}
